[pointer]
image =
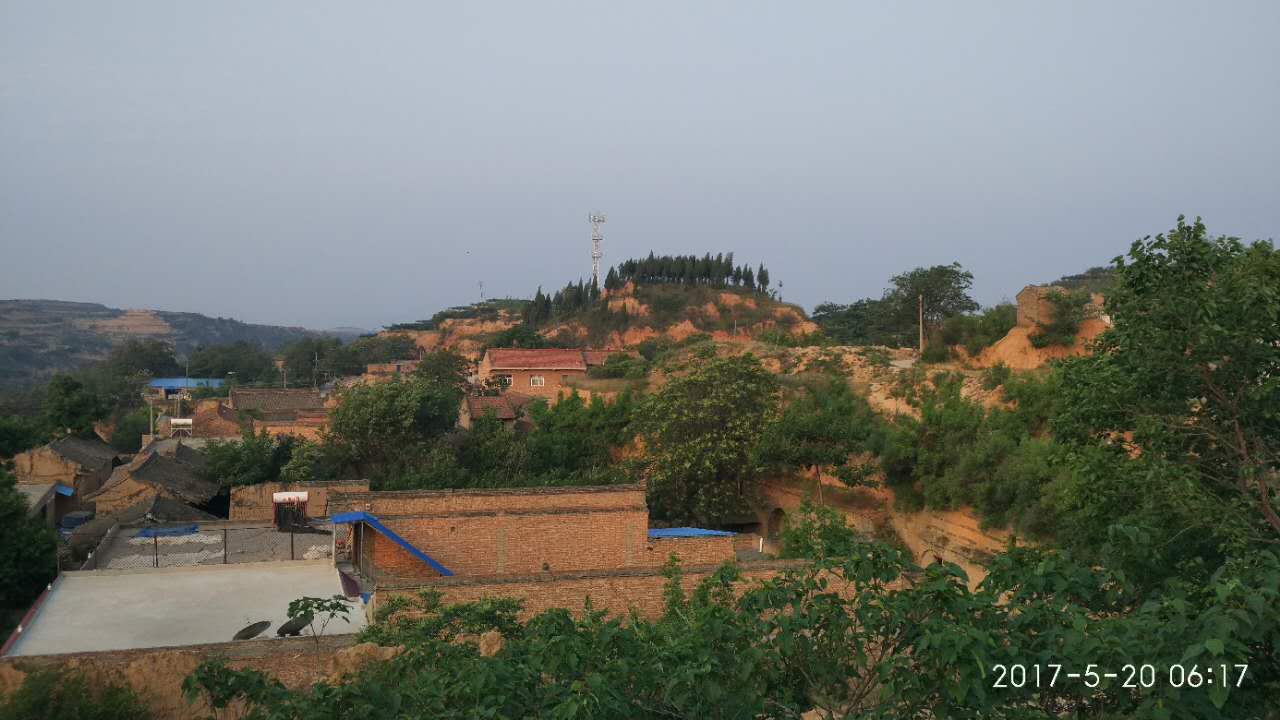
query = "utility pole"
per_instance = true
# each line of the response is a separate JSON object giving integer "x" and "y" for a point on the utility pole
{"x": 596, "y": 219}
{"x": 921, "y": 310}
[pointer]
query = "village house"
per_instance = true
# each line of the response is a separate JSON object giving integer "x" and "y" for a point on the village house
{"x": 151, "y": 474}
{"x": 383, "y": 372}
{"x": 506, "y": 408}
{"x": 539, "y": 372}
{"x": 79, "y": 465}
{"x": 301, "y": 412}
{"x": 546, "y": 546}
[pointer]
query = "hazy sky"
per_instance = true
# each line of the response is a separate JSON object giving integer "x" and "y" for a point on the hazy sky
{"x": 328, "y": 164}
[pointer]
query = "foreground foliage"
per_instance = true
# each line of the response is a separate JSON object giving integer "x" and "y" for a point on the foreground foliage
{"x": 866, "y": 636}
{"x": 67, "y": 695}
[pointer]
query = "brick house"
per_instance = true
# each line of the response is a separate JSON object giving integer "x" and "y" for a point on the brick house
{"x": 301, "y": 412}
{"x": 542, "y": 545}
{"x": 507, "y": 408}
{"x": 382, "y": 372}
{"x": 151, "y": 474}
{"x": 542, "y": 372}
{"x": 79, "y": 465}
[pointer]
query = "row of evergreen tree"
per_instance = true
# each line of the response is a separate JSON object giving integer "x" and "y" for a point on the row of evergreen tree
{"x": 566, "y": 303}
{"x": 718, "y": 271}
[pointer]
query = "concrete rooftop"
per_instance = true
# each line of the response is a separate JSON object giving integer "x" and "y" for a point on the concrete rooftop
{"x": 120, "y": 609}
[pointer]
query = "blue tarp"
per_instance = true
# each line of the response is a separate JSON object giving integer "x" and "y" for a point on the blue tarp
{"x": 686, "y": 532}
{"x": 63, "y": 489}
{"x": 152, "y": 532}
{"x": 182, "y": 383}
{"x": 373, "y": 522}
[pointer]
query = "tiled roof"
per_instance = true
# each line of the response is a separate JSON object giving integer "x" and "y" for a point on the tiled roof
{"x": 177, "y": 475}
{"x": 545, "y": 359}
{"x": 89, "y": 453}
{"x": 276, "y": 400}
{"x": 503, "y": 406}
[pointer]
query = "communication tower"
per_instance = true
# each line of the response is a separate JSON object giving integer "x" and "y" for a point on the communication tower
{"x": 596, "y": 219}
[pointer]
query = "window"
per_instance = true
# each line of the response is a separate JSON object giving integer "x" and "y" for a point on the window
{"x": 504, "y": 380}
{"x": 537, "y": 381}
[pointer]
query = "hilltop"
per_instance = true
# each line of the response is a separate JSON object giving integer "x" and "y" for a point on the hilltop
{"x": 41, "y": 337}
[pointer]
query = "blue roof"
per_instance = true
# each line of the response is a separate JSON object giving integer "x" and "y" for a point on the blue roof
{"x": 373, "y": 522}
{"x": 179, "y": 383}
{"x": 686, "y": 532}
{"x": 159, "y": 532}
{"x": 63, "y": 489}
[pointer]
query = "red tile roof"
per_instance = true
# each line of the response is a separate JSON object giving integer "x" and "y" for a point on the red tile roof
{"x": 503, "y": 406}
{"x": 546, "y": 359}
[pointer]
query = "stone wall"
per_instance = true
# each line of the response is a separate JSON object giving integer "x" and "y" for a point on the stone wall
{"x": 253, "y": 502}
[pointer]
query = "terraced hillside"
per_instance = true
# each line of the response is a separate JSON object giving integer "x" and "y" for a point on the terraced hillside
{"x": 41, "y": 337}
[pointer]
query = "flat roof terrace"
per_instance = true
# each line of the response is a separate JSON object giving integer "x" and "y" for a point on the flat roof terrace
{"x": 120, "y": 609}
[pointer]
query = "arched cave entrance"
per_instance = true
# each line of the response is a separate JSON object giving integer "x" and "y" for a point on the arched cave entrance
{"x": 777, "y": 521}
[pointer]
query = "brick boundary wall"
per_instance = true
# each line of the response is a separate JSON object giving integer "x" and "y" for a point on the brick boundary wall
{"x": 253, "y": 502}
{"x": 616, "y": 592}
{"x": 156, "y": 674}
{"x": 509, "y": 500}
{"x": 693, "y": 551}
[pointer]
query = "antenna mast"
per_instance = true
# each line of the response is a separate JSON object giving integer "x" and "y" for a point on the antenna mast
{"x": 596, "y": 219}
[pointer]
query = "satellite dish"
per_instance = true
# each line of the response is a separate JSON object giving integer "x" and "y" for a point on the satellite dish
{"x": 253, "y": 630}
{"x": 293, "y": 628}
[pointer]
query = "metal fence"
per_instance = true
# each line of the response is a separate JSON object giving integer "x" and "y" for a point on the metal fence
{"x": 208, "y": 544}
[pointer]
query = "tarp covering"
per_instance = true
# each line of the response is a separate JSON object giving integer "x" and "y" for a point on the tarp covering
{"x": 686, "y": 532}
{"x": 153, "y": 532}
{"x": 177, "y": 383}
{"x": 373, "y": 522}
{"x": 63, "y": 490}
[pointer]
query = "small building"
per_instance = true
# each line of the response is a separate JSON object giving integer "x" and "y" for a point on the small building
{"x": 151, "y": 474}
{"x": 212, "y": 419}
{"x": 300, "y": 412}
{"x": 274, "y": 403}
{"x": 541, "y": 372}
{"x": 382, "y": 372}
{"x": 506, "y": 408}
{"x": 79, "y": 464}
{"x": 52, "y": 500}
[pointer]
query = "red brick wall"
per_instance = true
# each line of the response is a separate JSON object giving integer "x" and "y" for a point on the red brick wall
{"x": 518, "y": 542}
{"x": 711, "y": 550}
{"x": 445, "y": 502}
{"x": 253, "y": 502}
{"x": 615, "y": 592}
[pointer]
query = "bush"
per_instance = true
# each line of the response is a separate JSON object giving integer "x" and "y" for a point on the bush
{"x": 935, "y": 351}
{"x": 1068, "y": 312}
{"x": 816, "y": 532}
{"x": 976, "y": 332}
{"x": 995, "y": 376}
{"x": 621, "y": 366}
{"x": 65, "y": 695}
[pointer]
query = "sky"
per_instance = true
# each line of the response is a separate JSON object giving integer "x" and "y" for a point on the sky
{"x": 334, "y": 164}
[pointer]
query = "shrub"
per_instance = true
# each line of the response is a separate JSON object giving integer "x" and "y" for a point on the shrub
{"x": 935, "y": 351}
{"x": 817, "y": 532}
{"x": 1068, "y": 311}
{"x": 64, "y": 695}
{"x": 995, "y": 376}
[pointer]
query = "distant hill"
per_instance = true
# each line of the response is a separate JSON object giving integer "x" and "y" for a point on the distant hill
{"x": 41, "y": 337}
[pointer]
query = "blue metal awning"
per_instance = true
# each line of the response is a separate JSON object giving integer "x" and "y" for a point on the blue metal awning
{"x": 373, "y": 522}
{"x": 686, "y": 532}
{"x": 184, "y": 383}
{"x": 63, "y": 489}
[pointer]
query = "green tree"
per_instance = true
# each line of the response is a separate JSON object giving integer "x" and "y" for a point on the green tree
{"x": 376, "y": 424}
{"x": 149, "y": 357}
{"x": 18, "y": 433}
{"x": 444, "y": 368}
{"x": 69, "y": 406}
{"x": 1189, "y": 365}
{"x": 700, "y": 431}
{"x": 239, "y": 362}
{"x": 27, "y": 553}
{"x": 128, "y": 429}
{"x": 823, "y": 427}
{"x": 945, "y": 289}
{"x": 255, "y": 459}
